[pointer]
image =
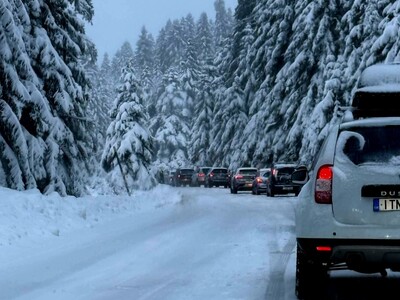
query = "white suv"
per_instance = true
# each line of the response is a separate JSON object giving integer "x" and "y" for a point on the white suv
{"x": 348, "y": 214}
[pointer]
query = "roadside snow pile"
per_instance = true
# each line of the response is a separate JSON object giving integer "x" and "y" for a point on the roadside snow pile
{"x": 29, "y": 214}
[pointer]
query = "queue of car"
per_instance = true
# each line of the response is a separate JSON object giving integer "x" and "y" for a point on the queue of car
{"x": 275, "y": 180}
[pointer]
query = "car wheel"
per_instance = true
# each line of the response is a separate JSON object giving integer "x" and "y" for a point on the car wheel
{"x": 311, "y": 277}
{"x": 271, "y": 192}
{"x": 234, "y": 190}
{"x": 253, "y": 191}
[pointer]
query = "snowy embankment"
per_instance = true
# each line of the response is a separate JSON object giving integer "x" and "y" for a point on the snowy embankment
{"x": 28, "y": 216}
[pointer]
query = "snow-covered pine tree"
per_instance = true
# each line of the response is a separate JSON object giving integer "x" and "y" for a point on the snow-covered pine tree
{"x": 44, "y": 92}
{"x": 15, "y": 68}
{"x": 128, "y": 139}
{"x": 103, "y": 93}
{"x": 223, "y": 24}
{"x": 107, "y": 92}
{"x": 243, "y": 15}
{"x": 122, "y": 57}
{"x": 204, "y": 104}
{"x": 232, "y": 119}
{"x": 205, "y": 41}
{"x": 144, "y": 57}
{"x": 56, "y": 47}
{"x": 171, "y": 130}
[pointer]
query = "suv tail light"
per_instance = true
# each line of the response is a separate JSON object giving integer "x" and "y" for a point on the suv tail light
{"x": 239, "y": 177}
{"x": 323, "y": 185}
{"x": 259, "y": 180}
{"x": 211, "y": 174}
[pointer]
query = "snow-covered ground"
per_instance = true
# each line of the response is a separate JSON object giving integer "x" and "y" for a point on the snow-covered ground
{"x": 169, "y": 243}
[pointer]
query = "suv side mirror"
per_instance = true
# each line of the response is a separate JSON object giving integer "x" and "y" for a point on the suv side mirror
{"x": 300, "y": 175}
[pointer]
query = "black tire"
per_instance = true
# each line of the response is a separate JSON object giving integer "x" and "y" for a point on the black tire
{"x": 268, "y": 192}
{"x": 234, "y": 190}
{"x": 271, "y": 192}
{"x": 311, "y": 278}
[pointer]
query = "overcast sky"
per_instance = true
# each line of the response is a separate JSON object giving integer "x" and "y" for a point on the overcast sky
{"x": 117, "y": 21}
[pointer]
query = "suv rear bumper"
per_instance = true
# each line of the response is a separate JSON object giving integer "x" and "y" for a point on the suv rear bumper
{"x": 362, "y": 255}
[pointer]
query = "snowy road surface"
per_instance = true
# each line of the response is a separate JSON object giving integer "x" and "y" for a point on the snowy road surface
{"x": 208, "y": 245}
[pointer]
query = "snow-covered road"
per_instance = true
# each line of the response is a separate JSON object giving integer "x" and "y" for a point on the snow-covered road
{"x": 209, "y": 245}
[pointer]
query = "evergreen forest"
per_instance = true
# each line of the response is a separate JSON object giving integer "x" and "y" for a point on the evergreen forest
{"x": 248, "y": 87}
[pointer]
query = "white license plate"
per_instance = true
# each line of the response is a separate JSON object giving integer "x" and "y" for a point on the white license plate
{"x": 386, "y": 204}
{"x": 287, "y": 188}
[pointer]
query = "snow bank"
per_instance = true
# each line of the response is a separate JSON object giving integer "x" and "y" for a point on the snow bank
{"x": 29, "y": 214}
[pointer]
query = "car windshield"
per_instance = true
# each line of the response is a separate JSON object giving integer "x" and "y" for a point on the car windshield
{"x": 371, "y": 145}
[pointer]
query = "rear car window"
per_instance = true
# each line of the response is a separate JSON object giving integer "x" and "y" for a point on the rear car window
{"x": 248, "y": 171}
{"x": 371, "y": 144}
{"x": 220, "y": 171}
{"x": 266, "y": 173}
{"x": 285, "y": 170}
{"x": 186, "y": 171}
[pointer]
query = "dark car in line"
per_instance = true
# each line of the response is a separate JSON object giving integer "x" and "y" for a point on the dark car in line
{"x": 183, "y": 177}
{"x": 217, "y": 176}
{"x": 280, "y": 180}
{"x": 243, "y": 178}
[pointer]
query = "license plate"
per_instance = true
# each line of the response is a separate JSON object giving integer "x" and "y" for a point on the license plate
{"x": 386, "y": 204}
{"x": 287, "y": 188}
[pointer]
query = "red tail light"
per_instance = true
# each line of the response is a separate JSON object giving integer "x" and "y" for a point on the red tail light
{"x": 324, "y": 248}
{"x": 323, "y": 185}
{"x": 211, "y": 174}
{"x": 239, "y": 176}
{"x": 274, "y": 172}
{"x": 201, "y": 175}
{"x": 259, "y": 180}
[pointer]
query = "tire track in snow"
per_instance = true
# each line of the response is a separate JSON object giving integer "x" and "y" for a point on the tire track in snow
{"x": 279, "y": 259}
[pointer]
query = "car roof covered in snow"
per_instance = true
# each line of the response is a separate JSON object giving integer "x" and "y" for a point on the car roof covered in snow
{"x": 380, "y": 78}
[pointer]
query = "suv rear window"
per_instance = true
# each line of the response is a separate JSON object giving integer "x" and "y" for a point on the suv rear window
{"x": 186, "y": 171}
{"x": 248, "y": 171}
{"x": 285, "y": 170}
{"x": 371, "y": 144}
{"x": 220, "y": 171}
